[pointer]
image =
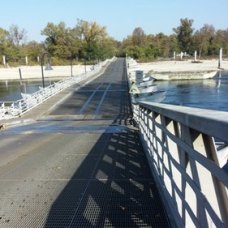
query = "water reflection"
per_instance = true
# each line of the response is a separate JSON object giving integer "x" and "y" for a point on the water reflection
{"x": 11, "y": 90}
{"x": 209, "y": 94}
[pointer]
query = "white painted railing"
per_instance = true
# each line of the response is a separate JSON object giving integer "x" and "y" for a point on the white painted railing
{"x": 14, "y": 109}
{"x": 188, "y": 168}
{"x": 179, "y": 143}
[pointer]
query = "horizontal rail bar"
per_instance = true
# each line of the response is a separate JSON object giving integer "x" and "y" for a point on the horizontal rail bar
{"x": 212, "y": 122}
{"x": 186, "y": 162}
{"x": 17, "y": 108}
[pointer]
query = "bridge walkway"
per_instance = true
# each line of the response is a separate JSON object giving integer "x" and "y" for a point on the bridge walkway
{"x": 79, "y": 163}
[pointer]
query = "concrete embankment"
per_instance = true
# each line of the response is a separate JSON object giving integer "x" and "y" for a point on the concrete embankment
{"x": 34, "y": 72}
{"x": 180, "y": 70}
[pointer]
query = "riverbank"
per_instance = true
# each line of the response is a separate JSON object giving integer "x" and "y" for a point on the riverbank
{"x": 173, "y": 70}
{"x": 34, "y": 72}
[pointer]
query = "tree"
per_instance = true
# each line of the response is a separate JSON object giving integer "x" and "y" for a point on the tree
{"x": 92, "y": 37}
{"x": 221, "y": 40}
{"x": 17, "y": 36}
{"x": 87, "y": 40}
{"x": 11, "y": 43}
{"x": 90, "y": 41}
{"x": 3, "y": 41}
{"x": 135, "y": 52}
{"x": 203, "y": 39}
{"x": 173, "y": 44}
{"x": 184, "y": 34}
{"x": 138, "y": 37}
{"x": 32, "y": 50}
{"x": 59, "y": 40}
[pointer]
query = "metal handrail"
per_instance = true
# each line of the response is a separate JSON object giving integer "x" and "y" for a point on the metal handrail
{"x": 182, "y": 154}
{"x": 17, "y": 108}
{"x": 180, "y": 146}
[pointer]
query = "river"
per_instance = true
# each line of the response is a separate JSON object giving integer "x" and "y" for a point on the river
{"x": 208, "y": 94}
{"x": 11, "y": 90}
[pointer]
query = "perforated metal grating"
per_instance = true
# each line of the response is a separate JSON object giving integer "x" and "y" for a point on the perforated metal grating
{"x": 120, "y": 192}
{"x": 81, "y": 172}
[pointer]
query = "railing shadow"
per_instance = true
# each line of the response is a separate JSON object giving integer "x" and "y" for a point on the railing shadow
{"x": 113, "y": 186}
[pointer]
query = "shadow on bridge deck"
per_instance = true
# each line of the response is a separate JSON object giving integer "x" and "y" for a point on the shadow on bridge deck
{"x": 112, "y": 187}
{"x": 105, "y": 180}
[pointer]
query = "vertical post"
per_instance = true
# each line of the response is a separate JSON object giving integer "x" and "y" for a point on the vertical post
{"x": 6, "y": 82}
{"x": 48, "y": 67}
{"x": 181, "y": 55}
{"x": 38, "y": 59}
{"x": 4, "y": 60}
{"x": 220, "y": 189}
{"x": 71, "y": 67}
{"x": 20, "y": 73}
{"x": 174, "y": 55}
{"x": 25, "y": 88}
{"x": 26, "y": 60}
{"x": 195, "y": 56}
{"x": 220, "y": 58}
{"x": 85, "y": 66}
{"x": 42, "y": 70}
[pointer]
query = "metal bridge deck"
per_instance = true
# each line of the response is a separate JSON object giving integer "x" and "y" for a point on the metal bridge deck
{"x": 79, "y": 165}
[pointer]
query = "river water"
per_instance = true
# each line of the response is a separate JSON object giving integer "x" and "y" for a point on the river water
{"x": 11, "y": 90}
{"x": 208, "y": 94}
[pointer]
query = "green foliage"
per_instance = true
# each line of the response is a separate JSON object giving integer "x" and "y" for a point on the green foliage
{"x": 59, "y": 40}
{"x": 207, "y": 41}
{"x": 16, "y": 35}
{"x": 135, "y": 52}
{"x": 151, "y": 52}
{"x": 138, "y": 37}
{"x": 3, "y": 41}
{"x": 149, "y": 47}
{"x": 184, "y": 34}
{"x": 32, "y": 50}
{"x": 94, "y": 39}
{"x": 89, "y": 41}
{"x": 203, "y": 39}
{"x": 56, "y": 61}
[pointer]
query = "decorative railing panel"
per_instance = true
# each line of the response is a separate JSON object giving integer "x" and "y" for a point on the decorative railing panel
{"x": 181, "y": 150}
{"x": 187, "y": 152}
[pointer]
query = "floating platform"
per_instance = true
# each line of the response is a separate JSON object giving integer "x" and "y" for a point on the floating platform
{"x": 182, "y": 75}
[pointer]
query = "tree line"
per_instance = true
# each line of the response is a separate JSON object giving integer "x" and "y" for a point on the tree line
{"x": 89, "y": 41}
{"x": 206, "y": 41}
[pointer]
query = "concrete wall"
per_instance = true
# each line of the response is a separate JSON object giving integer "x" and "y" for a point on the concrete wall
{"x": 31, "y": 72}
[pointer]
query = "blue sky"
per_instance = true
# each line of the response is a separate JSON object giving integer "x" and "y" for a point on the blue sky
{"x": 120, "y": 17}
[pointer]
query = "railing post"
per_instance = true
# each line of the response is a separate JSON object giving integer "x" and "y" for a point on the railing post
{"x": 220, "y": 190}
{"x": 185, "y": 162}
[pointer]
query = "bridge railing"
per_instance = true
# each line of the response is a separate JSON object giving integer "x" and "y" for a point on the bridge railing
{"x": 180, "y": 147}
{"x": 13, "y": 109}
